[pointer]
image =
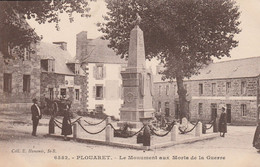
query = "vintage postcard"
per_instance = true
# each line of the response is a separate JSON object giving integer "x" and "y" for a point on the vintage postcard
{"x": 130, "y": 83}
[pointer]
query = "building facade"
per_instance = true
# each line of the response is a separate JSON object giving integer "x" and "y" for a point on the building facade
{"x": 104, "y": 81}
{"x": 164, "y": 96}
{"x": 19, "y": 79}
{"x": 232, "y": 84}
{"x": 62, "y": 75}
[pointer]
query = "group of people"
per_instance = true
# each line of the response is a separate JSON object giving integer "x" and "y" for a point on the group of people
{"x": 66, "y": 122}
{"x": 67, "y": 128}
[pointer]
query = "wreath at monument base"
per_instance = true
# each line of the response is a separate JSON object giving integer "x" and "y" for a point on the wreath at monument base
{"x": 124, "y": 131}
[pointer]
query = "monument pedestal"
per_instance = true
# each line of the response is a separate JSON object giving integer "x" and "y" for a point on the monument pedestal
{"x": 137, "y": 84}
{"x": 135, "y": 117}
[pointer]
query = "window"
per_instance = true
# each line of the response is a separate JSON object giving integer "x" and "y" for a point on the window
{"x": 200, "y": 110}
{"x": 27, "y": 54}
{"x": 99, "y": 71}
{"x": 51, "y": 67}
{"x": 77, "y": 68}
{"x": 213, "y": 89}
{"x": 51, "y": 93}
{"x": 99, "y": 108}
{"x": 17, "y": 50}
{"x": 77, "y": 94}
{"x": 243, "y": 87}
{"x": 99, "y": 92}
{"x": 160, "y": 90}
{"x": 63, "y": 92}
{"x": 167, "y": 90}
{"x": 48, "y": 65}
{"x": 243, "y": 109}
{"x": 26, "y": 83}
{"x": 228, "y": 87}
{"x": 200, "y": 89}
{"x": 7, "y": 82}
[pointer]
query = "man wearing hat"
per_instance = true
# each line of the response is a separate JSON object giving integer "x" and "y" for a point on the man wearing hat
{"x": 223, "y": 122}
{"x": 36, "y": 115}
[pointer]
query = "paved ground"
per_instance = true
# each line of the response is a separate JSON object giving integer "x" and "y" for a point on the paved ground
{"x": 19, "y": 148}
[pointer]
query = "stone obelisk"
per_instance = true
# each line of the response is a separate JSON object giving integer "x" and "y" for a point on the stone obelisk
{"x": 137, "y": 83}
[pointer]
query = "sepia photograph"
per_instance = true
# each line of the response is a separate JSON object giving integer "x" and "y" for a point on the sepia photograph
{"x": 130, "y": 83}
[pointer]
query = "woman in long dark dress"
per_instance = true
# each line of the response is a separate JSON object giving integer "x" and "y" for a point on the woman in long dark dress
{"x": 66, "y": 123}
{"x": 223, "y": 122}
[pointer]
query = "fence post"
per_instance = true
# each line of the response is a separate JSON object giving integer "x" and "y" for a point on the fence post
{"x": 174, "y": 133}
{"x": 51, "y": 126}
{"x": 75, "y": 128}
{"x": 198, "y": 129}
{"x": 109, "y": 130}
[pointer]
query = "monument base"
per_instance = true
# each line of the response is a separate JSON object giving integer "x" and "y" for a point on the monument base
{"x": 134, "y": 125}
{"x": 135, "y": 117}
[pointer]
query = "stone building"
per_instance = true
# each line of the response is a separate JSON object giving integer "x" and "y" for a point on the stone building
{"x": 232, "y": 84}
{"x": 61, "y": 75}
{"x": 104, "y": 81}
{"x": 19, "y": 78}
{"x": 163, "y": 98}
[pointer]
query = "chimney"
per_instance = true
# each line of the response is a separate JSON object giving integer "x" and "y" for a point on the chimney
{"x": 81, "y": 44}
{"x": 62, "y": 44}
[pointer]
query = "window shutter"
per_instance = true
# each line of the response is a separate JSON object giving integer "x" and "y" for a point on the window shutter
{"x": 104, "y": 71}
{"x": 94, "y": 91}
{"x": 95, "y": 72}
{"x": 104, "y": 92}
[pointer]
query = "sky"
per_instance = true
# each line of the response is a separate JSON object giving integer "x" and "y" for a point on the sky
{"x": 249, "y": 45}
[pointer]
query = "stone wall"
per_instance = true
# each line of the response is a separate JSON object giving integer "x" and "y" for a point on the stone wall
{"x": 234, "y": 97}
{"x": 17, "y": 100}
{"x": 57, "y": 81}
{"x": 235, "y": 90}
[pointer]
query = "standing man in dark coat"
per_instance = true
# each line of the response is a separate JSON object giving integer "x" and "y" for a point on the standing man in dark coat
{"x": 223, "y": 122}
{"x": 36, "y": 115}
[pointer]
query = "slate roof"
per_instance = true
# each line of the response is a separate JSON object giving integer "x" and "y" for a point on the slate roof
{"x": 100, "y": 52}
{"x": 53, "y": 51}
{"x": 239, "y": 68}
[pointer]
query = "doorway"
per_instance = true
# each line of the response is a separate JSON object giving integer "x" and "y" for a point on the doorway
{"x": 177, "y": 110}
{"x": 213, "y": 111}
{"x": 228, "y": 113}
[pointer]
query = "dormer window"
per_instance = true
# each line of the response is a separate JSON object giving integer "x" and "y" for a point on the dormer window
{"x": 48, "y": 65}
{"x": 77, "y": 68}
{"x": 74, "y": 67}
